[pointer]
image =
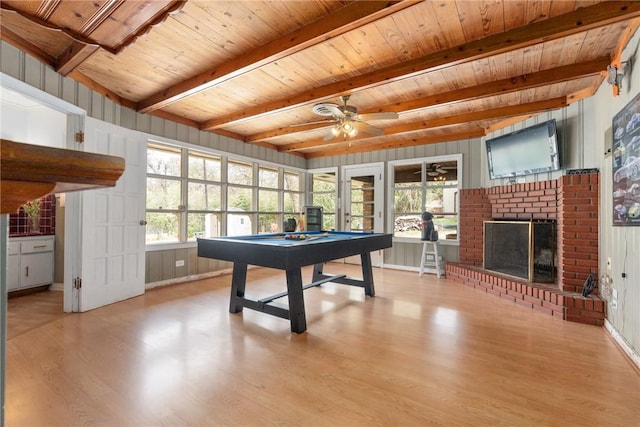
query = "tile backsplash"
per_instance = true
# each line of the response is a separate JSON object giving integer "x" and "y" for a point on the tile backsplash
{"x": 19, "y": 224}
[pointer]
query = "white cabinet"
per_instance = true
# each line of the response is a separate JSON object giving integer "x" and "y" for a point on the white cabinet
{"x": 30, "y": 262}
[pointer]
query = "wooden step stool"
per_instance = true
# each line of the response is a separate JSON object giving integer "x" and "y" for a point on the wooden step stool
{"x": 430, "y": 260}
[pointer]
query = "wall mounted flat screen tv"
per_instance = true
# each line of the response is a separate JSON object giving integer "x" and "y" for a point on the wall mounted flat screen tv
{"x": 524, "y": 152}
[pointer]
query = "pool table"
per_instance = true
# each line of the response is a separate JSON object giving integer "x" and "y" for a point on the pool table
{"x": 291, "y": 252}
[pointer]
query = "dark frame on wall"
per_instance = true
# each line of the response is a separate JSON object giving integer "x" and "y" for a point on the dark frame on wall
{"x": 626, "y": 165}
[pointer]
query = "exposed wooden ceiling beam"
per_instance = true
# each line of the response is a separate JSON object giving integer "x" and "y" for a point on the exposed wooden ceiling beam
{"x": 499, "y": 87}
{"x": 273, "y": 133}
{"x": 366, "y": 147}
{"x": 506, "y": 122}
{"x": 191, "y": 123}
{"x": 73, "y": 56}
{"x": 580, "y": 20}
{"x": 624, "y": 40}
{"x": 346, "y": 19}
{"x": 474, "y": 116}
{"x": 93, "y": 85}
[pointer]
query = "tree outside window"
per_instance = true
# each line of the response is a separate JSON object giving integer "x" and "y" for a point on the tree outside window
{"x": 428, "y": 185}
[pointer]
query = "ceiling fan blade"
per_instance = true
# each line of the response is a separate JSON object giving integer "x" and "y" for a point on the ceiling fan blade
{"x": 371, "y": 130}
{"x": 317, "y": 122}
{"x": 328, "y": 137}
{"x": 384, "y": 115}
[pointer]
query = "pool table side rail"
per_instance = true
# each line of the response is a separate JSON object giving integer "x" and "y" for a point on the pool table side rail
{"x": 286, "y": 257}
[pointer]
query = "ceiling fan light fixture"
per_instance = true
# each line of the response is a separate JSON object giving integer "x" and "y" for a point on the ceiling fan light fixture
{"x": 348, "y": 128}
{"x": 347, "y": 122}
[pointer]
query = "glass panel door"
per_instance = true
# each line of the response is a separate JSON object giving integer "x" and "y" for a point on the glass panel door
{"x": 363, "y": 211}
{"x": 362, "y": 197}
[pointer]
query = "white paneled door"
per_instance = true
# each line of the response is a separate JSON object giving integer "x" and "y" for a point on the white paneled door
{"x": 112, "y": 236}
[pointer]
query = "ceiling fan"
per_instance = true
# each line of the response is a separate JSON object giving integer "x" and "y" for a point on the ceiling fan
{"x": 435, "y": 169}
{"x": 347, "y": 120}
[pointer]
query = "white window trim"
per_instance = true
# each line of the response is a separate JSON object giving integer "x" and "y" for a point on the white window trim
{"x": 225, "y": 157}
{"x": 309, "y": 192}
{"x": 390, "y": 191}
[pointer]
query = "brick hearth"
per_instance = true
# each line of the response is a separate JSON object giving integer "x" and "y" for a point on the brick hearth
{"x": 573, "y": 202}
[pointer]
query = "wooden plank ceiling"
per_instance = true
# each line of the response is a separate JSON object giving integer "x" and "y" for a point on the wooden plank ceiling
{"x": 254, "y": 70}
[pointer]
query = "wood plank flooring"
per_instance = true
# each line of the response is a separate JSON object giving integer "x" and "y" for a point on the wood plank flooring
{"x": 30, "y": 311}
{"x": 423, "y": 352}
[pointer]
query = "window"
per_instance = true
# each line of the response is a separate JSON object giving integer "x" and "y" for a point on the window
{"x": 204, "y": 196}
{"x": 164, "y": 194}
{"x": 239, "y": 198}
{"x": 324, "y": 193}
{"x": 193, "y": 194}
{"x": 268, "y": 218}
{"x": 293, "y": 196}
{"x": 428, "y": 185}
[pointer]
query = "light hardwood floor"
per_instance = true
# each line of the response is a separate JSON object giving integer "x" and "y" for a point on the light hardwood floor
{"x": 424, "y": 351}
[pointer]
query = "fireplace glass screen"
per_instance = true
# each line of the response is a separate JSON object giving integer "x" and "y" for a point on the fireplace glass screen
{"x": 522, "y": 249}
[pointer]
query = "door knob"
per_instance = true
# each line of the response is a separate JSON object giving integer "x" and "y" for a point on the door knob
{"x": 143, "y": 222}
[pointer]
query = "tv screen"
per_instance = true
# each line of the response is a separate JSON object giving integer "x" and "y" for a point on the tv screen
{"x": 524, "y": 152}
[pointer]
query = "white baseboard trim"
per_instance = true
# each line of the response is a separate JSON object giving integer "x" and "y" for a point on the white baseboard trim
{"x": 619, "y": 339}
{"x": 191, "y": 278}
{"x": 401, "y": 267}
{"x": 416, "y": 269}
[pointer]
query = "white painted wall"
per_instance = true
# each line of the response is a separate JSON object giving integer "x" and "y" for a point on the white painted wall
{"x": 28, "y": 121}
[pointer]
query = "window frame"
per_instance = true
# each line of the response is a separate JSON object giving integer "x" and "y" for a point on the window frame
{"x": 185, "y": 149}
{"x": 336, "y": 198}
{"x": 391, "y": 192}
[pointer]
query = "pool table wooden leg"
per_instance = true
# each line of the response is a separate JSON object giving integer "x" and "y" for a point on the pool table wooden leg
{"x": 238, "y": 283}
{"x": 317, "y": 272}
{"x": 367, "y": 274}
{"x": 296, "y": 301}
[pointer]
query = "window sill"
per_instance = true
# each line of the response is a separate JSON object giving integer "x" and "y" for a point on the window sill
{"x": 169, "y": 246}
{"x": 417, "y": 241}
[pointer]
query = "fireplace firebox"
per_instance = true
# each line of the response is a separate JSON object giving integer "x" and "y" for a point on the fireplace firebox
{"x": 523, "y": 249}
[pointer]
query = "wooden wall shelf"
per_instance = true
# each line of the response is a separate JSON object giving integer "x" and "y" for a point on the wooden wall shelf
{"x": 28, "y": 172}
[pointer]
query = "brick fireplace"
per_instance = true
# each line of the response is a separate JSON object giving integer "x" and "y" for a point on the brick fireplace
{"x": 573, "y": 202}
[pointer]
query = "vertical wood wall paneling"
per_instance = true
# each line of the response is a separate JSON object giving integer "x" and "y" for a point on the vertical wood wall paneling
{"x": 33, "y": 72}
{"x": 618, "y": 243}
{"x": 153, "y": 266}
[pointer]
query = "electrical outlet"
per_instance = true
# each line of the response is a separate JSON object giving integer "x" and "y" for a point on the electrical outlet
{"x": 614, "y": 293}
{"x": 180, "y": 263}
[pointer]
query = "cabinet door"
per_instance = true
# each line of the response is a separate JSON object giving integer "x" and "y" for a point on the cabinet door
{"x": 37, "y": 269}
{"x": 13, "y": 272}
